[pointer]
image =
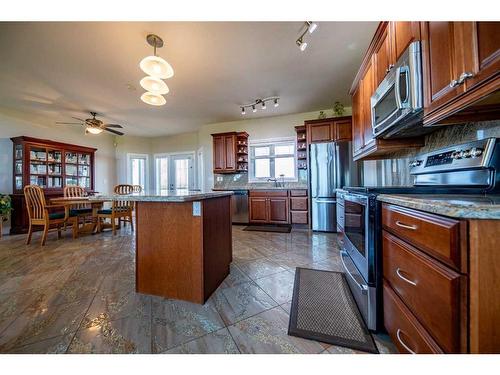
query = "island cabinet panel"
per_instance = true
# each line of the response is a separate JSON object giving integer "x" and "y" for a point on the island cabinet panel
{"x": 183, "y": 251}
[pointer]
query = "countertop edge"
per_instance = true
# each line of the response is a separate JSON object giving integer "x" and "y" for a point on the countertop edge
{"x": 443, "y": 208}
{"x": 158, "y": 198}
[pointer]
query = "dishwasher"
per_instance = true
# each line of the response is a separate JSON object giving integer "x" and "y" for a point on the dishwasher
{"x": 239, "y": 206}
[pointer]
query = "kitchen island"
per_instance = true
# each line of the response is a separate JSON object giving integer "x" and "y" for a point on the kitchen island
{"x": 183, "y": 242}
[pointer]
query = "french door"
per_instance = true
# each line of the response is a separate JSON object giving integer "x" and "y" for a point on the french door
{"x": 174, "y": 171}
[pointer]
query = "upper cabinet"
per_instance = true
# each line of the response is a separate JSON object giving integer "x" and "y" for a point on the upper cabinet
{"x": 230, "y": 152}
{"x": 461, "y": 65}
{"x": 329, "y": 129}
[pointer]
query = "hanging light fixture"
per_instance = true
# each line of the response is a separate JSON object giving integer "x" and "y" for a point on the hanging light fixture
{"x": 154, "y": 85}
{"x": 153, "y": 99}
{"x": 93, "y": 130}
{"x": 261, "y": 102}
{"x": 154, "y": 65}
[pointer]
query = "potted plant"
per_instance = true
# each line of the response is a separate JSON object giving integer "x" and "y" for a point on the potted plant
{"x": 5, "y": 209}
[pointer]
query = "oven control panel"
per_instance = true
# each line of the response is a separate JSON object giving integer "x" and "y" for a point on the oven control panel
{"x": 475, "y": 154}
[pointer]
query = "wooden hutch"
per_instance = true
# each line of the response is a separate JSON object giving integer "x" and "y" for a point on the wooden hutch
{"x": 50, "y": 165}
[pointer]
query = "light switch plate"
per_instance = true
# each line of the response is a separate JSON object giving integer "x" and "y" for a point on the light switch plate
{"x": 196, "y": 208}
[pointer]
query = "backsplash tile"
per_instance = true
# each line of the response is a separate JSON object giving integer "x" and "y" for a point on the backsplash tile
{"x": 240, "y": 181}
{"x": 395, "y": 172}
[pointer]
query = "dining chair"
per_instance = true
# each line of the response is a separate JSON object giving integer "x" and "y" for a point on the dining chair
{"x": 38, "y": 214}
{"x": 121, "y": 210}
{"x": 124, "y": 189}
{"x": 81, "y": 210}
{"x": 137, "y": 188}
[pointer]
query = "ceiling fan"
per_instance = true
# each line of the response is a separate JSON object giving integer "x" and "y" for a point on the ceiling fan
{"x": 93, "y": 125}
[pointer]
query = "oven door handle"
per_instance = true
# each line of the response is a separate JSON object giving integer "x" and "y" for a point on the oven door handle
{"x": 362, "y": 288}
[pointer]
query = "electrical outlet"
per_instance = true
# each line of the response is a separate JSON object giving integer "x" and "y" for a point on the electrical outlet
{"x": 219, "y": 178}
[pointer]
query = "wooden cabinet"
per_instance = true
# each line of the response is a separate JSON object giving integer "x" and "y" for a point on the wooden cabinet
{"x": 440, "y": 282}
{"x": 268, "y": 206}
{"x": 403, "y": 33}
{"x": 377, "y": 62}
{"x": 330, "y": 129}
{"x": 50, "y": 165}
{"x": 299, "y": 207}
{"x": 461, "y": 65}
{"x": 230, "y": 152}
{"x": 301, "y": 147}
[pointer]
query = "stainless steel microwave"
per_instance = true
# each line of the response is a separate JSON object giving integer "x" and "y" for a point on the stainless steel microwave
{"x": 396, "y": 105}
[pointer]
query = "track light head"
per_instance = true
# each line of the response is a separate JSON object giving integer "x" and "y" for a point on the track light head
{"x": 263, "y": 105}
{"x": 311, "y": 26}
{"x": 254, "y": 109}
{"x": 276, "y": 102}
{"x": 243, "y": 110}
{"x": 301, "y": 44}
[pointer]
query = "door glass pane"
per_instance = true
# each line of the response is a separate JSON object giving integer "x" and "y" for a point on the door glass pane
{"x": 285, "y": 167}
{"x": 354, "y": 225}
{"x": 262, "y": 168}
{"x": 161, "y": 177}
{"x": 138, "y": 172}
{"x": 181, "y": 167}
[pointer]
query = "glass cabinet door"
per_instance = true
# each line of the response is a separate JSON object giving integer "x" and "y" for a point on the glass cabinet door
{"x": 38, "y": 166}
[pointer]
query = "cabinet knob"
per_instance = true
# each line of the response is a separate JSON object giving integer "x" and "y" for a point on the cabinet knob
{"x": 454, "y": 83}
{"x": 464, "y": 76}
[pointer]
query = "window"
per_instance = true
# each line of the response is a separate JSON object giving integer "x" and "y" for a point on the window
{"x": 272, "y": 159}
{"x": 137, "y": 169}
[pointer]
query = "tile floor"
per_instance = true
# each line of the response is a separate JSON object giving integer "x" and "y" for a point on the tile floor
{"x": 78, "y": 297}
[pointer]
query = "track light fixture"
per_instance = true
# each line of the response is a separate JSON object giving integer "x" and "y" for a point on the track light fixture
{"x": 309, "y": 27}
{"x": 262, "y": 102}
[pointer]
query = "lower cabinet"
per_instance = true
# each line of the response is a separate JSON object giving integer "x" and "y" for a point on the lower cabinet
{"x": 268, "y": 206}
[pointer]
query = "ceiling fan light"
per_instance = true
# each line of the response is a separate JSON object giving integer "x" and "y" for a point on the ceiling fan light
{"x": 93, "y": 130}
{"x": 153, "y": 99}
{"x": 154, "y": 85}
{"x": 156, "y": 67}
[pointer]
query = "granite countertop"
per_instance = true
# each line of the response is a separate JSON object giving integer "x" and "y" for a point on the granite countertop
{"x": 180, "y": 195}
{"x": 457, "y": 206}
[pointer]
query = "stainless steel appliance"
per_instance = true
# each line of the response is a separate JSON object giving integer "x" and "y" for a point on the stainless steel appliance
{"x": 397, "y": 104}
{"x": 239, "y": 206}
{"x": 331, "y": 167}
{"x": 470, "y": 168}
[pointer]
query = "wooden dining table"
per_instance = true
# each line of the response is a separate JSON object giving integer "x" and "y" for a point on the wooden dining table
{"x": 96, "y": 205}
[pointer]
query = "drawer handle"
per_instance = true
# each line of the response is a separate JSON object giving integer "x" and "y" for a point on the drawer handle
{"x": 398, "y": 335}
{"x": 398, "y": 272}
{"x": 406, "y": 226}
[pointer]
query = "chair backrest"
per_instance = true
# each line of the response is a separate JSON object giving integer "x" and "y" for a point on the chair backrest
{"x": 137, "y": 188}
{"x": 35, "y": 202}
{"x": 74, "y": 191}
{"x": 124, "y": 189}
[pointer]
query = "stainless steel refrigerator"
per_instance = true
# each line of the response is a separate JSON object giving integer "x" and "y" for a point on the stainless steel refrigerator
{"x": 331, "y": 167}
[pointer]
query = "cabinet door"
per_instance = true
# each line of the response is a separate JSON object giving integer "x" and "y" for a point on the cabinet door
{"x": 319, "y": 132}
{"x": 403, "y": 33}
{"x": 368, "y": 89}
{"x": 219, "y": 154}
{"x": 481, "y": 44}
{"x": 342, "y": 130}
{"x": 357, "y": 121}
{"x": 442, "y": 64}
{"x": 382, "y": 57}
{"x": 278, "y": 210}
{"x": 258, "y": 210}
{"x": 230, "y": 150}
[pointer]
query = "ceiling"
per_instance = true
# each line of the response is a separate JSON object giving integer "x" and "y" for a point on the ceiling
{"x": 51, "y": 71}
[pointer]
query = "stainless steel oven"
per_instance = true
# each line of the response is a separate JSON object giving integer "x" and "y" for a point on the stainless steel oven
{"x": 356, "y": 229}
{"x": 397, "y": 104}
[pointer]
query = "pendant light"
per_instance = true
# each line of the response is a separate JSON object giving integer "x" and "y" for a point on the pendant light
{"x": 153, "y": 99}
{"x": 154, "y": 65}
{"x": 154, "y": 85}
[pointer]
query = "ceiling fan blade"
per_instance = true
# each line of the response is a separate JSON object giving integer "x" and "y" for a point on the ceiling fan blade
{"x": 113, "y": 126}
{"x": 79, "y": 119}
{"x": 113, "y": 131}
{"x": 69, "y": 123}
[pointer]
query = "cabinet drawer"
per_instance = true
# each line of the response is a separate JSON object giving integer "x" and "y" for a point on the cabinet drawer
{"x": 298, "y": 193}
{"x": 436, "y": 235}
{"x": 298, "y": 217}
{"x": 432, "y": 291}
{"x": 268, "y": 193}
{"x": 298, "y": 204}
{"x": 406, "y": 332}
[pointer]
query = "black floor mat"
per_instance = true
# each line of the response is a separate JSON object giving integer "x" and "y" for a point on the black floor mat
{"x": 268, "y": 228}
{"x": 324, "y": 309}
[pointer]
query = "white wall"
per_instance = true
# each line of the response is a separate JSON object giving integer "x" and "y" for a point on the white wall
{"x": 105, "y": 164}
{"x": 259, "y": 128}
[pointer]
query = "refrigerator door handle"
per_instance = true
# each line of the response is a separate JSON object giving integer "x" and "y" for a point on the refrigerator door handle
{"x": 329, "y": 201}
